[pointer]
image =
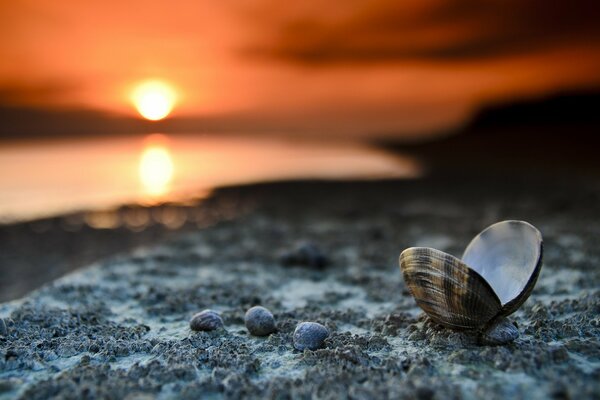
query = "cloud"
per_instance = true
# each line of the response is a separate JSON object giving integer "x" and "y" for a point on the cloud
{"x": 392, "y": 31}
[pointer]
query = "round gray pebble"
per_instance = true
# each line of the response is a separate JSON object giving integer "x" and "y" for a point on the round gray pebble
{"x": 207, "y": 320}
{"x": 309, "y": 335}
{"x": 305, "y": 254}
{"x": 259, "y": 321}
{"x": 502, "y": 331}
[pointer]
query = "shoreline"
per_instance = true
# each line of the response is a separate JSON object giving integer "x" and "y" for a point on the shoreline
{"x": 47, "y": 248}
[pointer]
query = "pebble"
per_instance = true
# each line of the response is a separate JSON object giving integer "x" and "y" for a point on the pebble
{"x": 3, "y": 328}
{"x": 259, "y": 321}
{"x": 305, "y": 254}
{"x": 502, "y": 331}
{"x": 559, "y": 353}
{"x": 310, "y": 335}
{"x": 207, "y": 320}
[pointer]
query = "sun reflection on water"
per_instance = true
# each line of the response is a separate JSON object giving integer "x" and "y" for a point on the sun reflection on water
{"x": 156, "y": 166}
{"x": 68, "y": 175}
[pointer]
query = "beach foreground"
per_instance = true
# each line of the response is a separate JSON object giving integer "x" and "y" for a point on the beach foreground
{"x": 120, "y": 328}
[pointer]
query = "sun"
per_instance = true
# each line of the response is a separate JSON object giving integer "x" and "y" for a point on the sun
{"x": 154, "y": 99}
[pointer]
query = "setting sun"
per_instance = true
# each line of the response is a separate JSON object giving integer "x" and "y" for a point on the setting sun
{"x": 154, "y": 100}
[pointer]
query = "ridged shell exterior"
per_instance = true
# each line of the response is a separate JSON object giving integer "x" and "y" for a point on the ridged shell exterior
{"x": 449, "y": 292}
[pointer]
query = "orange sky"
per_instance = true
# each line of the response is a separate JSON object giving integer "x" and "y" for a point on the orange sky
{"x": 339, "y": 67}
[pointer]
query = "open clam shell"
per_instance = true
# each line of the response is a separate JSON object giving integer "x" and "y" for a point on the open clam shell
{"x": 496, "y": 275}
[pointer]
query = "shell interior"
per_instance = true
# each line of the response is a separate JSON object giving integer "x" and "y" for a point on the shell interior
{"x": 508, "y": 256}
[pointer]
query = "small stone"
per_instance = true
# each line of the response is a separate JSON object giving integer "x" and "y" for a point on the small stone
{"x": 9, "y": 384}
{"x": 310, "y": 335}
{"x": 502, "y": 331}
{"x": 3, "y": 328}
{"x": 305, "y": 254}
{"x": 259, "y": 321}
{"x": 559, "y": 353}
{"x": 424, "y": 393}
{"x": 207, "y": 320}
{"x": 85, "y": 360}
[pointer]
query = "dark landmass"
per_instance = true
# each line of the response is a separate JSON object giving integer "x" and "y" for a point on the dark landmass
{"x": 555, "y": 135}
{"x": 27, "y": 123}
{"x": 563, "y": 109}
{"x": 119, "y": 329}
{"x": 41, "y": 123}
{"x": 547, "y": 123}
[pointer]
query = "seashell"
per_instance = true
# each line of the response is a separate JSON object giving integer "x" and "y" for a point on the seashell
{"x": 259, "y": 321}
{"x": 207, "y": 320}
{"x": 496, "y": 275}
{"x": 310, "y": 335}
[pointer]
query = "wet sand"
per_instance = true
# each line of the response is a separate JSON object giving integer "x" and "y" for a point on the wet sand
{"x": 119, "y": 328}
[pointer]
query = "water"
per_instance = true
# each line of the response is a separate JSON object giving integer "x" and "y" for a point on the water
{"x": 47, "y": 178}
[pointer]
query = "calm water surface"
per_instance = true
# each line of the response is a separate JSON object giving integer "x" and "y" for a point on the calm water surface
{"x": 47, "y": 178}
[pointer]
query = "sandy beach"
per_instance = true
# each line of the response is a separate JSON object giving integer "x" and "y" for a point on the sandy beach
{"x": 119, "y": 328}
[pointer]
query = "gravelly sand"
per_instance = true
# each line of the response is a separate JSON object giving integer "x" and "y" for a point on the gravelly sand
{"x": 119, "y": 328}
